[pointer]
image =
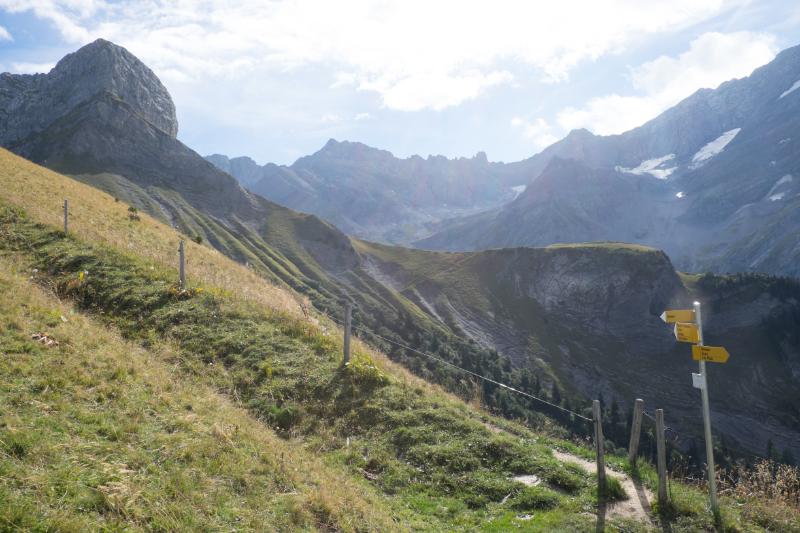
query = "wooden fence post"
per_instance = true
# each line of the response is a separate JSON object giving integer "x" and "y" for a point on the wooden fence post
{"x": 182, "y": 268}
{"x": 662, "y": 458}
{"x": 66, "y": 216}
{"x": 600, "y": 444}
{"x": 636, "y": 430}
{"x": 348, "y": 322}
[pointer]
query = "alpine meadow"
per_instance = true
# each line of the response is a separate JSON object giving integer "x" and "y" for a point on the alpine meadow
{"x": 601, "y": 333}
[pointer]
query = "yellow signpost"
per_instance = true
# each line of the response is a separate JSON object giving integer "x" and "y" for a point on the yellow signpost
{"x": 713, "y": 354}
{"x": 686, "y": 332}
{"x": 689, "y": 328}
{"x": 678, "y": 315}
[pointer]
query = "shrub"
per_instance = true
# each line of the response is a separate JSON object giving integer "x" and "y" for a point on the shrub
{"x": 614, "y": 491}
{"x": 531, "y": 498}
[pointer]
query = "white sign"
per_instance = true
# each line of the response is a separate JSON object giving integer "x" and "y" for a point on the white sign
{"x": 698, "y": 381}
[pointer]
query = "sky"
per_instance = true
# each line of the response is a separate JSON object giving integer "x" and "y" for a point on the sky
{"x": 274, "y": 80}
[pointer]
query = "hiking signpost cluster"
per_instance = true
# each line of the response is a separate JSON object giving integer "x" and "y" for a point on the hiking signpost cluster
{"x": 689, "y": 328}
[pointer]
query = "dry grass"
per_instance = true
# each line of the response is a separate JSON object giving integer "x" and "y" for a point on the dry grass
{"x": 86, "y": 425}
{"x": 96, "y": 217}
{"x": 765, "y": 480}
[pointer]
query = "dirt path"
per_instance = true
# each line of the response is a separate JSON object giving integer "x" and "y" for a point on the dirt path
{"x": 637, "y": 506}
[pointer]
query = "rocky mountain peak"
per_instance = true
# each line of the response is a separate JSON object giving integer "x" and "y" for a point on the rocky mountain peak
{"x": 30, "y": 103}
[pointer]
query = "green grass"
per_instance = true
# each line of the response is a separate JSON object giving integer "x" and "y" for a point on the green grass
{"x": 100, "y": 434}
{"x": 385, "y": 447}
{"x": 402, "y": 437}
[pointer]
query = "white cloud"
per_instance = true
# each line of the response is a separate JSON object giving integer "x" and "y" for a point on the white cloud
{"x": 415, "y": 54}
{"x": 66, "y": 15}
{"x": 330, "y": 118}
{"x": 537, "y": 130}
{"x": 5, "y": 35}
{"x": 710, "y": 60}
{"x": 31, "y": 68}
{"x": 362, "y": 116}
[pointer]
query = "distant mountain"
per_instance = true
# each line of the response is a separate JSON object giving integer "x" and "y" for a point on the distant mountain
{"x": 714, "y": 181}
{"x": 372, "y": 194}
{"x": 582, "y": 319}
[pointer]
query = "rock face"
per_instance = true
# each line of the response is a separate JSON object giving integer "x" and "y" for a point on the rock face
{"x": 713, "y": 181}
{"x": 30, "y": 103}
{"x": 372, "y": 194}
{"x": 104, "y": 117}
{"x": 591, "y": 313}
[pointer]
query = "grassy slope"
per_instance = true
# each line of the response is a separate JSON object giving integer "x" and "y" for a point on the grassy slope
{"x": 101, "y": 433}
{"x": 433, "y": 457}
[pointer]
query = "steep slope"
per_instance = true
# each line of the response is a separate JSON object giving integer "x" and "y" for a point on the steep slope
{"x": 372, "y": 194}
{"x": 400, "y": 453}
{"x": 108, "y": 143}
{"x": 711, "y": 181}
{"x": 591, "y": 312}
{"x": 107, "y": 435}
{"x": 390, "y": 451}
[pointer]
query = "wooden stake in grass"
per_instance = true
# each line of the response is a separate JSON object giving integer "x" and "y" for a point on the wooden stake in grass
{"x": 598, "y": 439}
{"x": 66, "y": 216}
{"x": 182, "y": 268}
{"x": 636, "y": 430}
{"x": 348, "y": 322}
{"x": 661, "y": 459}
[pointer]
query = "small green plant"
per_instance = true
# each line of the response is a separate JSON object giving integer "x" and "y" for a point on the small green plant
{"x": 133, "y": 214}
{"x": 614, "y": 491}
{"x": 531, "y": 498}
{"x": 198, "y": 239}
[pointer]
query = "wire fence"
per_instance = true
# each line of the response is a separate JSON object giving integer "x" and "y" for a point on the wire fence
{"x": 461, "y": 369}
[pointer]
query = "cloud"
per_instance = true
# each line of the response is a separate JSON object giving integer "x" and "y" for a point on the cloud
{"x": 330, "y": 118}
{"x": 31, "y": 68}
{"x": 362, "y": 116}
{"x": 537, "y": 130}
{"x": 66, "y": 15}
{"x": 434, "y": 90}
{"x": 710, "y": 60}
{"x": 5, "y": 35}
{"x": 415, "y": 54}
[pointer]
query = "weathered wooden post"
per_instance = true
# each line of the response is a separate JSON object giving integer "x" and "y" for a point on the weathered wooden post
{"x": 66, "y": 216}
{"x": 182, "y": 268}
{"x": 661, "y": 459}
{"x": 599, "y": 443}
{"x": 348, "y": 321}
{"x": 636, "y": 430}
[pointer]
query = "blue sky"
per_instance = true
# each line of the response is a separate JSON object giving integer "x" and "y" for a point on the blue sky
{"x": 275, "y": 80}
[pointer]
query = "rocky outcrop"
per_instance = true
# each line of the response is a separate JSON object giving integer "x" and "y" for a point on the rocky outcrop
{"x": 30, "y": 103}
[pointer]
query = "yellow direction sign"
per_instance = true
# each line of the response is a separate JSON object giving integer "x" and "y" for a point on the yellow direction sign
{"x": 686, "y": 332}
{"x": 678, "y": 315}
{"x": 714, "y": 354}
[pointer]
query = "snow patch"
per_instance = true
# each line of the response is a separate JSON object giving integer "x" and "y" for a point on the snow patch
{"x": 714, "y": 147}
{"x": 650, "y": 166}
{"x": 784, "y": 141}
{"x": 786, "y": 179}
{"x": 518, "y": 189}
{"x": 680, "y": 195}
{"x": 776, "y": 197}
{"x": 790, "y": 90}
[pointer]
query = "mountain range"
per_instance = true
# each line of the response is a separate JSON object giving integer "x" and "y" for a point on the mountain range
{"x": 578, "y": 319}
{"x": 371, "y": 194}
{"x": 714, "y": 181}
